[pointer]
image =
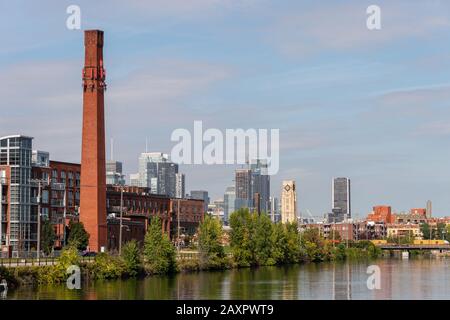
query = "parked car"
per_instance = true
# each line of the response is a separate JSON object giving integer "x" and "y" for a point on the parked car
{"x": 88, "y": 254}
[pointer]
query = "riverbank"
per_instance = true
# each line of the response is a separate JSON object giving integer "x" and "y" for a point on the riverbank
{"x": 400, "y": 279}
{"x": 110, "y": 267}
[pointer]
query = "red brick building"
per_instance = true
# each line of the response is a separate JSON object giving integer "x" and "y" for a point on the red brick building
{"x": 381, "y": 214}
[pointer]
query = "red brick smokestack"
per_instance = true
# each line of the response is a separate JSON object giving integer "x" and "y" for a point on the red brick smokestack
{"x": 93, "y": 175}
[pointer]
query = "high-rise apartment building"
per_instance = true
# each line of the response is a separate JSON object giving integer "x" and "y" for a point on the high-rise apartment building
{"x": 341, "y": 198}
{"x": 289, "y": 202}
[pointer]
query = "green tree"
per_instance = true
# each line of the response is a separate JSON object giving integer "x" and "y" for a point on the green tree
{"x": 131, "y": 257}
{"x": 279, "y": 243}
{"x": 262, "y": 240}
{"x": 77, "y": 235}
{"x": 241, "y": 237}
{"x": 212, "y": 253}
{"x": 48, "y": 237}
{"x": 159, "y": 253}
{"x": 440, "y": 231}
{"x": 293, "y": 243}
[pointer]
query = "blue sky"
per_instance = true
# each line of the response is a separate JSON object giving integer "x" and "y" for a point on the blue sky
{"x": 370, "y": 105}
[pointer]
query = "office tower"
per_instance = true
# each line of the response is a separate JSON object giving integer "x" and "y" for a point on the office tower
{"x": 341, "y": 197}
{"x": 429, "y": 209}
{"x": 201, "y": 195}
{"x": 114, "y": 173}
{"x": 93, "y": 168}
{"x": 260, "y": 183}
{"x": 243, "y": 188}
{"x": 229, "y": 199}
{"x": 288, "y": 202}
{"x": 180, "y": 185}
{"x": 15, "y": 175}
{"x": 158, "y": 173}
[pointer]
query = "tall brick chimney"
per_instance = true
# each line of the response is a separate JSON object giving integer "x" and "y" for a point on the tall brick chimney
{"x": 93, "y": 175}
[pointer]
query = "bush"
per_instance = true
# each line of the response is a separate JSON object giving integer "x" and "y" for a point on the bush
{"x": 106, "y": 266}
{"x": 57, "y": 273}
{"x": 159, "y": 253}
{"x": 8, "y": 275}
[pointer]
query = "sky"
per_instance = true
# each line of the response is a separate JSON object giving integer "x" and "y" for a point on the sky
{"x": 373, "y": 106}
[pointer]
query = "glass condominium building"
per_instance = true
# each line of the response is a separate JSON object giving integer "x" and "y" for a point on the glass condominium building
{"x": 15, "y": 155}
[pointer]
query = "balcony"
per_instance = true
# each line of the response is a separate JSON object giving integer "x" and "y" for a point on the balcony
{"x": 58, "y": 186}
{"x": 57, "y": 203}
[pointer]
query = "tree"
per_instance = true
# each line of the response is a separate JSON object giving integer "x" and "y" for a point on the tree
{"x": 159, "y": 253}
{"x": 212, "y": 253}
{"x": 279, "y": 243}
{"x": 48, "y": 237}
{"x": 131, "y": 257}
{"x": 293, "y": 250}
{"x": 240, "y": 237}
{"x": 262, "y": 240}
{"x": 78, "y": 236}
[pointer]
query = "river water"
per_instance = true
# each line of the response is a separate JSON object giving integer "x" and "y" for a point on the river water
{"x": 400, "y": 279}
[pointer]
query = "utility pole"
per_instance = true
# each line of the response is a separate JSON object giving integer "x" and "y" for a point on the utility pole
{"x": 64, "y": 215}
{"x": 178, "y": 225}
{"x": 38, "y": 200}
{"x": 121, "y": 215}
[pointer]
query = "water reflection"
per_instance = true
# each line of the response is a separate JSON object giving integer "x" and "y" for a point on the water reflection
{"x": 410, "y": 279}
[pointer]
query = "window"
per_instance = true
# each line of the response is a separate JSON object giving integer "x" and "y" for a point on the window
{"x": 54, "y": 176}
{"x": 45, "y": 196}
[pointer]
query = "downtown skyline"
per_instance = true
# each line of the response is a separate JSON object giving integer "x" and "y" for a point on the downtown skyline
{"x": 374, "y": 112}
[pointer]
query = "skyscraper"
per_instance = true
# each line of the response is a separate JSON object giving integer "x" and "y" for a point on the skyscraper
{"x": 341, "y": 199}
{"x": 158, "y": 173}
{"x": 260, "y": 183}
{"x": 93, "y": 168}
{"x": 243, "y": 189}
{"x": 229, "y": 199}
{"x": 288, "y": 202}
{"x": 180, "y": 181}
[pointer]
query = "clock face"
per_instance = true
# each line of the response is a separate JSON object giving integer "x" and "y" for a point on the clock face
{"x": 287, "y": 188}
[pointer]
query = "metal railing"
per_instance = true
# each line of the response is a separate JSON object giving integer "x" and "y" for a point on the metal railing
{"x": 30, "y": 262}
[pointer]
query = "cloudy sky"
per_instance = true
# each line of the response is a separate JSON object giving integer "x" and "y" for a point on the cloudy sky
{"x": 370, "y": 105}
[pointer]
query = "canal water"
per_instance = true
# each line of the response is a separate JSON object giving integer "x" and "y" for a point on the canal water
{"x": 400, "y": 279}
